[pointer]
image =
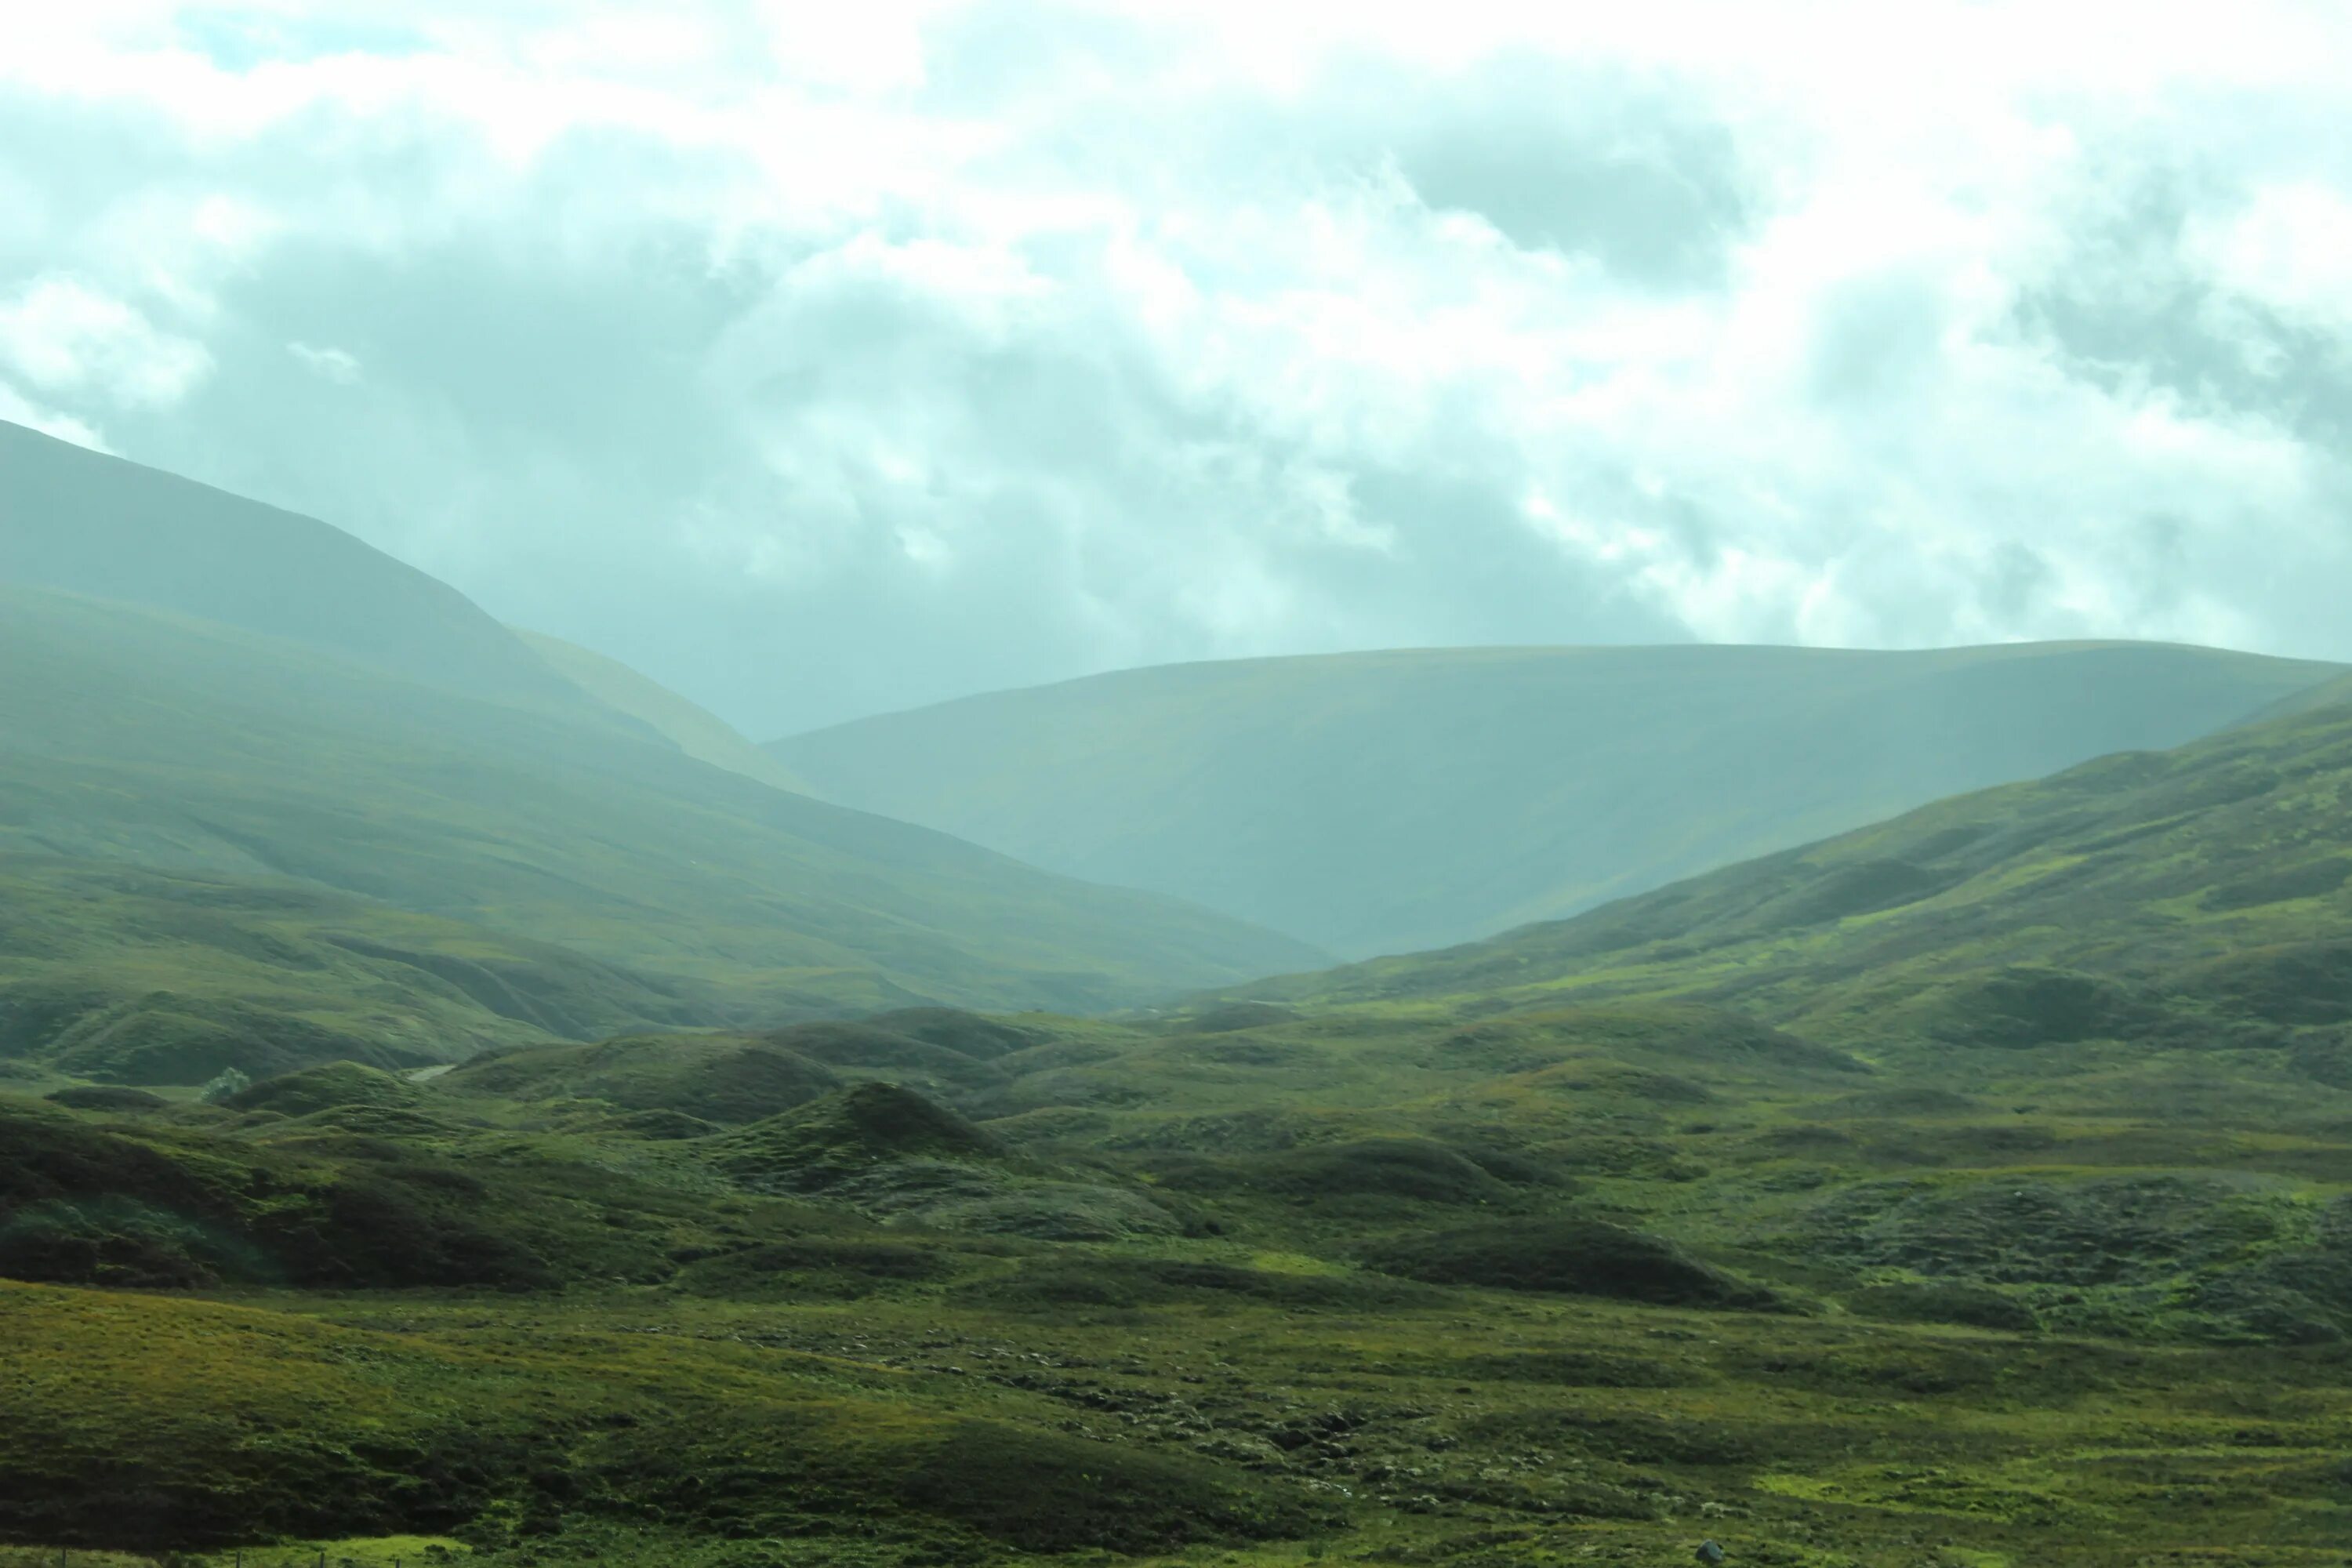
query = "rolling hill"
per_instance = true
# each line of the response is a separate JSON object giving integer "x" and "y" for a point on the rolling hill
{"x": 2136, "y": 907}
{"x": 1382, "y": 803}
{"x": 262, "y": 711}
{"x": 84, "y": 522}
{"x": 1969, "y": 1188}
{"x": 116, "y": 973}
{"x": 178, "y": 746}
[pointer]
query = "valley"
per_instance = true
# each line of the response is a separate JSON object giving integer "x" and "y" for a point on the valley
{"x": 1387, "y": 802}
{"x": 461, "y": 1103}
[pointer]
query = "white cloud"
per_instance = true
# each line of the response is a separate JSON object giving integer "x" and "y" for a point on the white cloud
{"x": 19, "y": 410}
{"x": 2289, "y": 248}
{"x": 830, "y": 360}
{"x": 329, "y": 363}
{"x": 62, "y": 336}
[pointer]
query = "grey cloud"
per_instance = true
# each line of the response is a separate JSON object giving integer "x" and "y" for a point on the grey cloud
{"x": 2128, "y": 309}
{"x": 1582, "y": 165}
{"x": 2014, "y": 581}
{"x": 612, "y": 452}
{"x": 1877, "y": 339}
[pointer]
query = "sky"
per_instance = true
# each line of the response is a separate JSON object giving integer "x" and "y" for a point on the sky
{"x": 824, "y": 360}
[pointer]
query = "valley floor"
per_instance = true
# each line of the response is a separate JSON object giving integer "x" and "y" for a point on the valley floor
{"x": 1471, "y": 1430}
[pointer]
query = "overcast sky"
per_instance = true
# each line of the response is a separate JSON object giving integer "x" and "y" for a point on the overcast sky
{"x": 822, "y": 359}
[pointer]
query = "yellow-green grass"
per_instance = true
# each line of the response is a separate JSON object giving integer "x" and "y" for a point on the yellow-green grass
{"x": 1477, "y": 1429}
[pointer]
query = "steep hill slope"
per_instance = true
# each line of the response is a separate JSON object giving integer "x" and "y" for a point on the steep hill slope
{"x": 111, "y": 972}
{"x": 88, "y": 523}
{"x": 147, "y": 740}
{"x": 694, "y": 729}
{"x": 1379, "y": 803}
{"x": 2196, "y": 899}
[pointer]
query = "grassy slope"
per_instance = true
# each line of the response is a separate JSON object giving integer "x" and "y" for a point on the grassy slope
{"x": 114, "y": 972}
{"x": 1381, "y": 803}
{"x": 2197, "y": 899}
{"x": 2028, "y": 1240}
{"x": 87, "y": 523}
{"x": 1410, "y": 1305}
{"x": 696, "y": 732}
{"x": 141, "y": 739}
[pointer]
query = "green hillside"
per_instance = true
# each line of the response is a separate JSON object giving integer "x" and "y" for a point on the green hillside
{"x": 2193, "y": 900}
{"x": 1973, "y": 1190}
{"x": 699, "y": 732}
{"x": 144, "y": 740}
{"x": 88, "y": 523}
{"x": 1390, "y": 802}
{"x": 108, "y": 972}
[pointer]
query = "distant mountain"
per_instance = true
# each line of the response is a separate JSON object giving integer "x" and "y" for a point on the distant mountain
{"x": 1382, "y": 803}
{"x": 2196, "y": 902}
{"x": 85, "y": 522}
{"x": 302, "y": 784}
{"x": 694, "y": 729}
{"x": 150, "y": 739}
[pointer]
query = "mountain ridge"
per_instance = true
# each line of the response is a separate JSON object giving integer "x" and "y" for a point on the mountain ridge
{"x": 2201, "y": 893}
{"x": 1408, "y": 799}
{"x": 91, "y": 524}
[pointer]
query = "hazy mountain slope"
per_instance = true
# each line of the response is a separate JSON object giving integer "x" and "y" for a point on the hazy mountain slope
{"x": 699, "y": 732}
{"x": 88, "y": 523}
{"x": 2198, "y": 900}
{"x": 113, "y": 973}
{"x": 1385, "y": 802}
{"x": 135, "y": 737}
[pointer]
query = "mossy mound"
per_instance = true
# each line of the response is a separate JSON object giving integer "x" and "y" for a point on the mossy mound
{"x": 1593, "y": 1078}
{"x": 966, "y": 1034}
{"x": 107, "y": 1097}
{"x": 2290, "y": 983}
{"x": 1571, "y": 1369}
{"x": 818, "y": 1268}
{"x": 1685, "y": 1034}
{"x": 2202, "y": 1257}
{"x": 1052, "y": 1211}
{"x": 1568, "y": 1257}
{"x": 872, "y": 1048}
{"x": 2025, "y": 1006}
{"x": 1944, "y": 1302}
{"x": 1634, "y": 1439}
{"x": 168, "y": 1038}
{"x": 1417, "y": 1170}
{"x": 1229, "y": 1018}
{"x": 1900, "y": 1103}
{"x": 2121, "y": 1230}
{"x": 1040, "y": 1492}
{"x": 1052, "y": 1285}
{"x": 333, "y": 1085}
{"x": 655, "y": 1126}
{"x": 145, "y": 1423}
{"x": 309, "y": 1204}
{"x": 385, "y": 1128}
{"x": 728, "y": 1079}
{"x": 2311, "y": 880}
{"x": 828, "y": 1140}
